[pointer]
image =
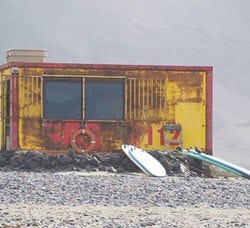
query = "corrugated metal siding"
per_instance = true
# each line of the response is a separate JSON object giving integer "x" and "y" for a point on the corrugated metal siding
{"x": 153, "y": 99}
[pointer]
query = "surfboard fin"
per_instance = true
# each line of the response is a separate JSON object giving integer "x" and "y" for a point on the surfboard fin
{"x": 178, "y": 148}
{"x": 197, "y": 150}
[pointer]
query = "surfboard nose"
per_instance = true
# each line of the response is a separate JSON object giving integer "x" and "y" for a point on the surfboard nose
{"x": 124, "y": 146}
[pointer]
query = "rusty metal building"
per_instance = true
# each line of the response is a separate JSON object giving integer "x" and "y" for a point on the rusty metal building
{"x": 153, "y": 107}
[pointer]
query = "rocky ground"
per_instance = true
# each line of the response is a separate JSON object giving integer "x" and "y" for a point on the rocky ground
{"x": 108, "y": 191}
{"x": 174, "y": 163}
{"x": 102, "y": 199}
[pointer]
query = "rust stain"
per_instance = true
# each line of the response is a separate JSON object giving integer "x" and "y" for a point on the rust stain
{"x": 150, "y": 97}
{"x": 146, "y": 74}
{"x": 88, "y": 72}
{"x": 188, "y": 86}
{"x": 31, "y": 133}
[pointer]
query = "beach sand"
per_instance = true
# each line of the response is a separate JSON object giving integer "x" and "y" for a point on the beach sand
{"x": 106, "y": 200}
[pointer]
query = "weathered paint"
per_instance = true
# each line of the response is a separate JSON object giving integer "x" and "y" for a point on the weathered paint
{"x": 5, "y": 75}
{"x": 14, "y": 113}
{"x": 155, "y": 96}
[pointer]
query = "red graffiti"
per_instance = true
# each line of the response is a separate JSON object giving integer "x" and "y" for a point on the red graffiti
{"x": 68, "y": 127}
{"x": 54, "y": 132}
{"x": 61, "y": 133}
{"x": 136, "y": 136}
{"x": 175, "y": 136}
{"x": 150, "y": 136}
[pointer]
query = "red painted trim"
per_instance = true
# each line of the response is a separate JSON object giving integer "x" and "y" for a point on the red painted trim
{"x": 209, "y": 112}
{"x": 14, "y": 113}
{"x": 106, "y": 66}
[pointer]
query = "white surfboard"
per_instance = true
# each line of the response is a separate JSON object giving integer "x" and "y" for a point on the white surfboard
{"x": 146, "y": 162}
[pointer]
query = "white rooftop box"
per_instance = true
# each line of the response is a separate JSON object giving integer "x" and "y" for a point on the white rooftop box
{"x": 26, "y": 55}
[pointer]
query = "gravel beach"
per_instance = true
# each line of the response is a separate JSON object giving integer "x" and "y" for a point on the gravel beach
{"x": 102, "y": 199}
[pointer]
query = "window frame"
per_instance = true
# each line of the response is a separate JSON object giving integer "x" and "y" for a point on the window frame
{"x": 65, "y": 80}
{"x": 83, "y": 79}
{"x": 122, "y": 80}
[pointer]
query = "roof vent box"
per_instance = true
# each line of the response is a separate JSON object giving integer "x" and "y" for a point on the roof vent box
{"x": 26, "y": 55}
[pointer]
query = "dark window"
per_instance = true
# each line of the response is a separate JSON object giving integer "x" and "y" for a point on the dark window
{"x": 104, "y": 99}
{"x": 62, "y": 98}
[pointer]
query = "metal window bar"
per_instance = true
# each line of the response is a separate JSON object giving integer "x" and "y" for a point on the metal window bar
{"x": 4, "y": 95}
{"x": 146, "y": 98}
{"x": 30, "y": 88}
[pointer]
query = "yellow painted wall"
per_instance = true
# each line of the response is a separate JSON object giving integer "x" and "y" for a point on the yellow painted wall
{"x": 180, "y": 100}
{"x": 30, "y": 104}
{"x": 186, "y": 106}
{"x": 186, "y": 95}
{"x": 192, "y": 119}
{"x": 4, "y": 75}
